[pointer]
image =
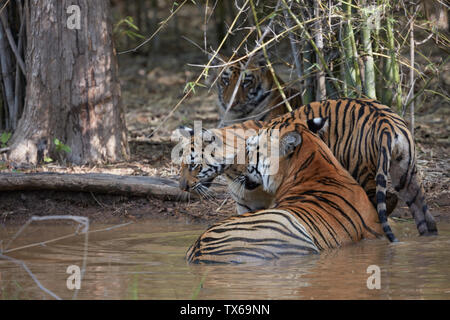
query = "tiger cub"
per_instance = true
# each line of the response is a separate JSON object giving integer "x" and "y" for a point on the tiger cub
{"x": 317, "y": 206}
{"x": 257, "y": 97}
{"x": 369, "y": 140}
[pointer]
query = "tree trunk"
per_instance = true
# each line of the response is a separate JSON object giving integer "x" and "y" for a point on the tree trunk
{"x": 95, "y": 182}
{"x": 73, "y": 91}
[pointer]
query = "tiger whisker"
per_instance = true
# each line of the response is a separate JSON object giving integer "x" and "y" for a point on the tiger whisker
{"x": 203, "y": 191}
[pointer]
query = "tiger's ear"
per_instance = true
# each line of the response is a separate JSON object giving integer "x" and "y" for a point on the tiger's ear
{"x": 289, "y": 142}
{"x": 185, "y": 131}
{"x": 182, "y": 134}
{"x": 318, "y": 125}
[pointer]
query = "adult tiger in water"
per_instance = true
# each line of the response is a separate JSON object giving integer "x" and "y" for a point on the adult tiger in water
{"x": 257, "y": 96}
{"x": 317, "y": 205}
{"x": 367, "y": 138}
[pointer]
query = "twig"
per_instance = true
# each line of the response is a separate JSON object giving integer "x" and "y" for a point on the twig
{"x": 81, "y": 220}
{"x": 162, "y": 25}
{"x": 4, "y": 6}
{"x": 6, "y": 71}
{"x": 18, "y": 86}
{"x": 24, "y": 266}
{"x": 313, "y": 44}
{"x": 189, "y": 91}
{"x": 64, "y": 237}
{"x": 99, "y": 203}
{"x": 12, "y": 43}
{"x": 412, "y": 79}
{"x": 293, "y": 44}
{"x": 266, "y": 56}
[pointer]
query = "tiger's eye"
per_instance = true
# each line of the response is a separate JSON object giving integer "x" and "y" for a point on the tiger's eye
{"x": 226, "y": 80}
{"x": 247, "y": 81}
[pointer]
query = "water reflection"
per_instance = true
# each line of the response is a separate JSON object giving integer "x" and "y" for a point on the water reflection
{"x": 146, "y": 261}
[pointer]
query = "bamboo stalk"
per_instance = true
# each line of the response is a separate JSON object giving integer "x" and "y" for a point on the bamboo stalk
{"x": 369, "y": 71}
{"x": 313, "y": 44}
{"x": 392, "y": 69}
{"x": 293, "y": 43}
{"x": 307, "y": 62}
{"x": 343, "y": 68}
{"x": 355, "y": 58}
{"x": 321, "y": 92}
{"x": 412, "y": 79}
{"x": 352, "y": 78}
{"x": 378, "y": 60}
{"x": 308, "y": 94}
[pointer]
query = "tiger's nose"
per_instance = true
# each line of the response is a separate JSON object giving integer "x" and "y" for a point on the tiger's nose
{"x": 184, "y": 185}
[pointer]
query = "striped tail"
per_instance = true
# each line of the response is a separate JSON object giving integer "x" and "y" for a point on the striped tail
{"x": 384, "y": 160}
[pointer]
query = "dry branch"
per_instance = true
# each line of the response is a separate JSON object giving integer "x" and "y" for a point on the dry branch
{"x": 12, "y": 43}
{"x": 94, "y": 182}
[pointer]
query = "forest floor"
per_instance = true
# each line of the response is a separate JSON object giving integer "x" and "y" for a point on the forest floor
{"x": 150, "y": 90}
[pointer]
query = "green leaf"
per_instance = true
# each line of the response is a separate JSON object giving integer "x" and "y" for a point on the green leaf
{"x": 48, "y": 159}
{"x": 61, "y": 146}
{"x": 133, "y": 35}
{"x": 129, "y": 21}
{"x": 66, "y": 148}
{"x": 191, "y": 86}
{"x": 4, "y": 138}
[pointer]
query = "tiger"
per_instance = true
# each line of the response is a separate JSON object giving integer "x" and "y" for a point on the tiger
{"x": 367, "y": 138}
{"x": 317, "y": 206}
{"x": 257, "y": 96}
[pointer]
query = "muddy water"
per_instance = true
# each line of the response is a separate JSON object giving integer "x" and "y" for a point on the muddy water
{"x": 145, "y": 260}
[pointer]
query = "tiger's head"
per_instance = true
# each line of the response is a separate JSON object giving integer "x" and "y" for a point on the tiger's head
{"x": 270, "y": 152}
{"x": 254, "y": 86}
{"x": 202, "y": 164}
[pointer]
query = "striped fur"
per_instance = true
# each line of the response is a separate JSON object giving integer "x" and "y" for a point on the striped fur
{"x": 371, "y": 142}
{"x": 317, "y": 206}
{"x": 257, "y": 97}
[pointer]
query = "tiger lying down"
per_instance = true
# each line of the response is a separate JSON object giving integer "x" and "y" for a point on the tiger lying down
{"x": 367, "y": 138}
{"x": 316, "y": 204}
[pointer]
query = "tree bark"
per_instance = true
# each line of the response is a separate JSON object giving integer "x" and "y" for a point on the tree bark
{"x": 73, "y": 91}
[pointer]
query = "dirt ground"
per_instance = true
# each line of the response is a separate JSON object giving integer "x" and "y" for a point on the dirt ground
{"x": 152, "y": 85}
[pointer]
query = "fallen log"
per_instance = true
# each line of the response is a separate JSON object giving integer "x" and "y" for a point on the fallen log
{"x": 95, "y": 182}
